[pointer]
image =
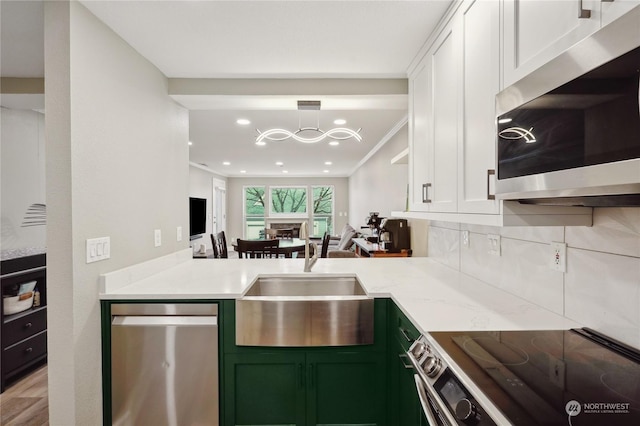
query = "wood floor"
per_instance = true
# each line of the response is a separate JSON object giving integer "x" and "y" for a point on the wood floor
{"x": 26, "y": 402}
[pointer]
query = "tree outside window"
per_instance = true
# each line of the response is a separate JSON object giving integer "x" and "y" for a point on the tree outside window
{"x": 254, "y": 208}
{"x": 289, "y": 201}
{"x": 322, "y": 210}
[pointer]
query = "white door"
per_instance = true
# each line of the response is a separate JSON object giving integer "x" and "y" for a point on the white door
{"x": 219, "y": 206}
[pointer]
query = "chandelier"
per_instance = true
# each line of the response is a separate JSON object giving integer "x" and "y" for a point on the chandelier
{"x": 316, "y": 135}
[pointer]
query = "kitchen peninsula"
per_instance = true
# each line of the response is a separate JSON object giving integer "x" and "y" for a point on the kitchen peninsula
{"x": 271, "y": 384}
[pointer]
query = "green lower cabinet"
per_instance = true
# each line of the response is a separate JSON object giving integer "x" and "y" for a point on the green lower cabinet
{"x": 346, "y": 389}
{"x": 265, "y": 389}
{"x": 304, "y": 388}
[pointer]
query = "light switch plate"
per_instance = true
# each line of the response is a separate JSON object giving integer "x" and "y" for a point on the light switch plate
{"x": 179, "y": 233}
{"x": 157, "y": 235}
{"x": 98, "y": 249}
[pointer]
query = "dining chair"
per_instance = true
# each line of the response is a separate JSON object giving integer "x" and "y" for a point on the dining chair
{"x": 325, "y": 244}
{"x": 219, "y": 243}
{"x": 253, "y": 249}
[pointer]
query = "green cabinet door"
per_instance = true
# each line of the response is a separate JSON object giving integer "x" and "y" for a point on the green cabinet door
{"x": 265, "y": 389}
{"x": 346, "y": 388}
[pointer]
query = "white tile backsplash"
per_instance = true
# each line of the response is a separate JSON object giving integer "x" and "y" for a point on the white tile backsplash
{"x": 601, "y": 288}
{"x": 444, "y": 246}
{"x": 615, "y": 230}
{"x": 603, "y": 292}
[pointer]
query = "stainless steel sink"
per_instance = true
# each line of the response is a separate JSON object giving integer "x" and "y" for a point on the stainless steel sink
{"x": 307, "y": 286}
{"x": 321, "y": 310}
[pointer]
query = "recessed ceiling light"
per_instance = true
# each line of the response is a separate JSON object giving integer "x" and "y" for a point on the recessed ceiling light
{"x": 328, "y": 163}
{"x": 340, "y": 121}
{"x": 243, "y": 171}
{"x": 226, "y": 163}
{"x": 190, "y": 143}
{"x": 279, "y": 163}
{"x": 261, "y": 143}
{"x": 285, "y": 171}
{"x": 334, "y": 143}
{"x": 243, "y": 121}
{"x": 325, "y": 171}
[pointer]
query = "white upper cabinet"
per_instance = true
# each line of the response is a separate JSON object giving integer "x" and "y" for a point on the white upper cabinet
{"x": 536, "y": 31}
{"x": 479, "y": 23}
{"x": 419, "y": 110}
{"x": 613, "y": 9}
{"x": 433, "y": 138}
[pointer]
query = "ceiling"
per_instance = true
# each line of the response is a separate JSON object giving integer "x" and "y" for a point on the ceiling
{"x": 284, "y": 40}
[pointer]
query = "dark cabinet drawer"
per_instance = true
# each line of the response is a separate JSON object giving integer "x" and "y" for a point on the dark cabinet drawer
{"x": 26, "y": 351}
{"x": 23, "y": 327}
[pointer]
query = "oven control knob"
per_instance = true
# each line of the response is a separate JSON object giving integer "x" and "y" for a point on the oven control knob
{"x": 419, "y": 350}
{"x": 466, "y": 411}
{"x": 432, "y": 365}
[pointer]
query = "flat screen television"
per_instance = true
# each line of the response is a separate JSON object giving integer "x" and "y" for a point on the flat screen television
{"x": 197, "y": 217}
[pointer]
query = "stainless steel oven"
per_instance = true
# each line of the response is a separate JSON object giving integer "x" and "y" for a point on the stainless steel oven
{"x": 550, "y": 377}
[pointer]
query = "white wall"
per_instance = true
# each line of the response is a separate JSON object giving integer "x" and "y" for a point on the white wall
{"x": 201, "y": 186}
{"x": 601, "y": 288}
{"x": 23, "y": 178}
{"x": 380, "y": 186}
{"x": 235, "y": 194}
{"x": 117, "y": 166}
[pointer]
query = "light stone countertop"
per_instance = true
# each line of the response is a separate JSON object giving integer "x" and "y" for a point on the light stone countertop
{"x": 435, "y": 297}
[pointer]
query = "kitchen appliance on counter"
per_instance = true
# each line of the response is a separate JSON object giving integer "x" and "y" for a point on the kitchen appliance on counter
{"x": 394, "y": 234}
{"x": 373, "y": 223}
{"x": 551, "y": 377}
{"x": 569, "y": 132}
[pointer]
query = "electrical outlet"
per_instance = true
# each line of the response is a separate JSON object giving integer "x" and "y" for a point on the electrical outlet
{"x": 179, "y": 233}
{"x": 465, "y": 238}
{"x": 558, "y": 257}
{"x": 157, "y": 234}
{"x": 494, "y": 244}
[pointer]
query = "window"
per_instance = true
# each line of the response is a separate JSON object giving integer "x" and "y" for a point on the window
{"x": 290, "y": 201}
{"x": 322, "y": 210}
{"x": 254, "y": 203}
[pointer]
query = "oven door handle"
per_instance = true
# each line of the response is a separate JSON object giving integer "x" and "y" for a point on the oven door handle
{"x": 422, "y": 395}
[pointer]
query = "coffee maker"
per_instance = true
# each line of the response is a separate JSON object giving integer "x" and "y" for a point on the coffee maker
{"x": 394, "y": 234}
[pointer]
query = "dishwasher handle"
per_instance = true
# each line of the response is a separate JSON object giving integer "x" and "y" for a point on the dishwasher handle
{"x": 164, "y": 321}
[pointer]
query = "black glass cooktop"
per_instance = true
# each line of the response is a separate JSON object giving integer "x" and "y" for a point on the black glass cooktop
{"x": 550, "y": 377}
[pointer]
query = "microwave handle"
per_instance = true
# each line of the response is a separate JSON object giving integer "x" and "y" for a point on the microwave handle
{"x": 490, "y": 173}
{"x": 583, "y": 13}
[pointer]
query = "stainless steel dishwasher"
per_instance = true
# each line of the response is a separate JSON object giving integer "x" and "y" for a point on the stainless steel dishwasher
{"x": 164, "y": 364}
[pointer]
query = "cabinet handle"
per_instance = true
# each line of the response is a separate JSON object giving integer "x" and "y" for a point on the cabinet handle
{"x": 28, "y": 350}
{"x": 584, "y": 13}
{"x": 404, "y": 364}
{"x": 311, "y": 375}
{"x": 405, "y": 334}
{"x": 425, "y": 192}
{"x": 28, "y": 325}
{"x": 490, "y": 173}
{"x": 301, "y": 374}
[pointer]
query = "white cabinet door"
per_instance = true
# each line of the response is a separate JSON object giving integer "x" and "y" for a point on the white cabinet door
{"x": 480, "y": 27}
{"x": 613, "y": 9}
{"x": 536, "y": 31}
{"x": 419, "y": 111}
{"x": 443, "y": 140}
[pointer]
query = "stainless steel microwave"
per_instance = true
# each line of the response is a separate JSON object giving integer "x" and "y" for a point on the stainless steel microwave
{"x": 569, "y": 132}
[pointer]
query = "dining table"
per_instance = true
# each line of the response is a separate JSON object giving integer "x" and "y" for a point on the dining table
{"x": 286, "y": 246}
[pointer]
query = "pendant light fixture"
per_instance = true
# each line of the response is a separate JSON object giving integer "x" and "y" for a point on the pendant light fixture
{"x": 338, "y": 133}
